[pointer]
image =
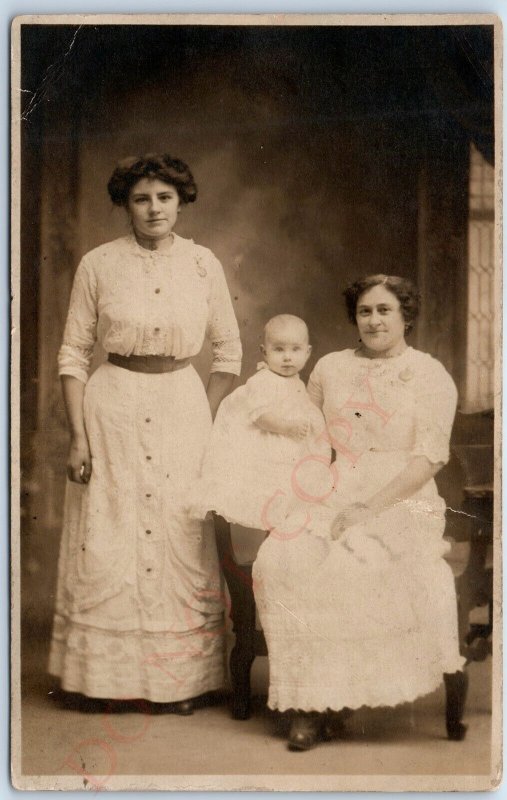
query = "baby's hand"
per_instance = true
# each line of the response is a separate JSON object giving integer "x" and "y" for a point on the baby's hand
{"x": 298, "y": 428}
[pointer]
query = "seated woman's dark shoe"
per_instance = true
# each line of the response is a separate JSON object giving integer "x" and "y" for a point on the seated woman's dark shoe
{"x": 305, "y": 731}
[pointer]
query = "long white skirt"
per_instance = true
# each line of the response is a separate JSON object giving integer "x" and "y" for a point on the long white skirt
{"x": 139, "y": 607}
{"x": 369, "y": 620}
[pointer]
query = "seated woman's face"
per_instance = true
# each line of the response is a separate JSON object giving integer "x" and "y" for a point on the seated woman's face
{"x": 153, "y": 208}
{"x": 380, "y": 320}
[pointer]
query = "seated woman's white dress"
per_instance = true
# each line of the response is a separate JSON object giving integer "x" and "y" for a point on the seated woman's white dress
{"x": 247, "y": 472}
{"x": 369, "y": 619}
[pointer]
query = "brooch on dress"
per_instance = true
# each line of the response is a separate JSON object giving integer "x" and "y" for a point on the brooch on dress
{"x": 202, "y": 271}
{"x": 406, "y": 375}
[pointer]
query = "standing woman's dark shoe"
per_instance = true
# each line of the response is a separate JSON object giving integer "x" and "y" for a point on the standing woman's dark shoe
{"x": 182, "y": 707}
{"x": 305, "y": 730}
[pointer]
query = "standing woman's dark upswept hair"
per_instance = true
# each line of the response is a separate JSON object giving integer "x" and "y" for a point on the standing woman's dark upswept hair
{"x": 137, "y": 578}
{"x": 155, "y": 167}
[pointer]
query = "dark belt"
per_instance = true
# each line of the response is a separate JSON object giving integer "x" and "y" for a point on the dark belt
{"x": 149, "y": 364}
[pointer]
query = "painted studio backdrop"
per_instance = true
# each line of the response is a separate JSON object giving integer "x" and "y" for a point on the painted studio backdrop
{"x": 320, "y": 153}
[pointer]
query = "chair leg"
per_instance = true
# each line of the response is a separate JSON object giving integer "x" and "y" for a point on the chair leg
{"x": 239, "y": 582}
{"x": 241, "y": 660}
{"x": 456, "y": 686}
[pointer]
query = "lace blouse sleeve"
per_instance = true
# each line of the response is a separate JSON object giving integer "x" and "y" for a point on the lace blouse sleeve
{"x": 75, "y": 354}
{"x": 436, "y": 403}
{"x": 222, "y": 328}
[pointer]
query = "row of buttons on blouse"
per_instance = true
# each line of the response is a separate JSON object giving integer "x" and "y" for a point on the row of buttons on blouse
{"x": 148, "y": 531}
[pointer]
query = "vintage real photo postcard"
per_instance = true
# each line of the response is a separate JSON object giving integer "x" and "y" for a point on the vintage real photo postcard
{"x": 256, "y": 385}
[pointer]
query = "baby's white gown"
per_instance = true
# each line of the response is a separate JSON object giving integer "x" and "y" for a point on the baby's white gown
{"x": 248, "y": 474}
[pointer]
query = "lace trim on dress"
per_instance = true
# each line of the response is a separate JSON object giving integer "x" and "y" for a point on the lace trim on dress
{"x": 225, "y": 351}
{"x": 286, "y": 698}
{"x": 75, "y": 361}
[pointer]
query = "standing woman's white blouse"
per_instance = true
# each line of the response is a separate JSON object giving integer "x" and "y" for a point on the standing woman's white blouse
{"x": 142, "y": 302}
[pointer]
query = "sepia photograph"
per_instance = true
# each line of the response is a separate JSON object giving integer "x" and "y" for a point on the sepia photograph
{"x": 256, "y": 402}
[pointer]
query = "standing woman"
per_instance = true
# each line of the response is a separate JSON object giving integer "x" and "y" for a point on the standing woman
{"x": 356, "y": 600}
{"x": 139, "y": 612}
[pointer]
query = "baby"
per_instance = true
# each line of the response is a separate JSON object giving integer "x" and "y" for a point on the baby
{"x": 264, "y": 436}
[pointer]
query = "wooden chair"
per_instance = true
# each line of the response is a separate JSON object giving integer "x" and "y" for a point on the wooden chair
{"x": 472, "y": 445}
{"x": 249, "y": 641}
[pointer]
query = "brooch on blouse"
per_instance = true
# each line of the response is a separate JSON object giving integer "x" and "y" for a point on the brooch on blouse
{"x": 202, "y": 271}
{"x": 406, "y": 375}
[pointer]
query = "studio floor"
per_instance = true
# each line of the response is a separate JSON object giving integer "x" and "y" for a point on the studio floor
{"x": 407, "y": 740}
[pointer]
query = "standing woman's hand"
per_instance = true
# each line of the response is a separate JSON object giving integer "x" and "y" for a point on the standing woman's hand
{"x": 79, "y": 461}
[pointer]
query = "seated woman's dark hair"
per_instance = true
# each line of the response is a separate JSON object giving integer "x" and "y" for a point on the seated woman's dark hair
{"x": 156, "y": 166}
{"x": 402, "y": 288}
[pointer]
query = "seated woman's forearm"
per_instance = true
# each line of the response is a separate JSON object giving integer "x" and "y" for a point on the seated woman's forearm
{"x": 415, "y": 475}
{"x": 219, "y": 385}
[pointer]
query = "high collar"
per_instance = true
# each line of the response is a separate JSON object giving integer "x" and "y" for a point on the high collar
{"x": 178, "y": 245}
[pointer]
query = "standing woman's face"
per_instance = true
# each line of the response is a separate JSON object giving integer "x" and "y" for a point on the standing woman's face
{"x": 153, "y": 208}
{"x": 380, "y": 321}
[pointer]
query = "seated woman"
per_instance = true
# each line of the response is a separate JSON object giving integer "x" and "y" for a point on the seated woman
{"x": 356, "y": 600}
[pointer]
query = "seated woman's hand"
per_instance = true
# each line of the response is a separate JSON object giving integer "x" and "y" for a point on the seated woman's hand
{"x": 79, "y": 461}
{"x": 298, "y": 428}
{"x": 352, "y": 515}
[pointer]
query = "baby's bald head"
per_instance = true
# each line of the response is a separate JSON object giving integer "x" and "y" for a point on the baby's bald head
{"x": 286, "y": 326}
{"x": 286, "y": 347}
